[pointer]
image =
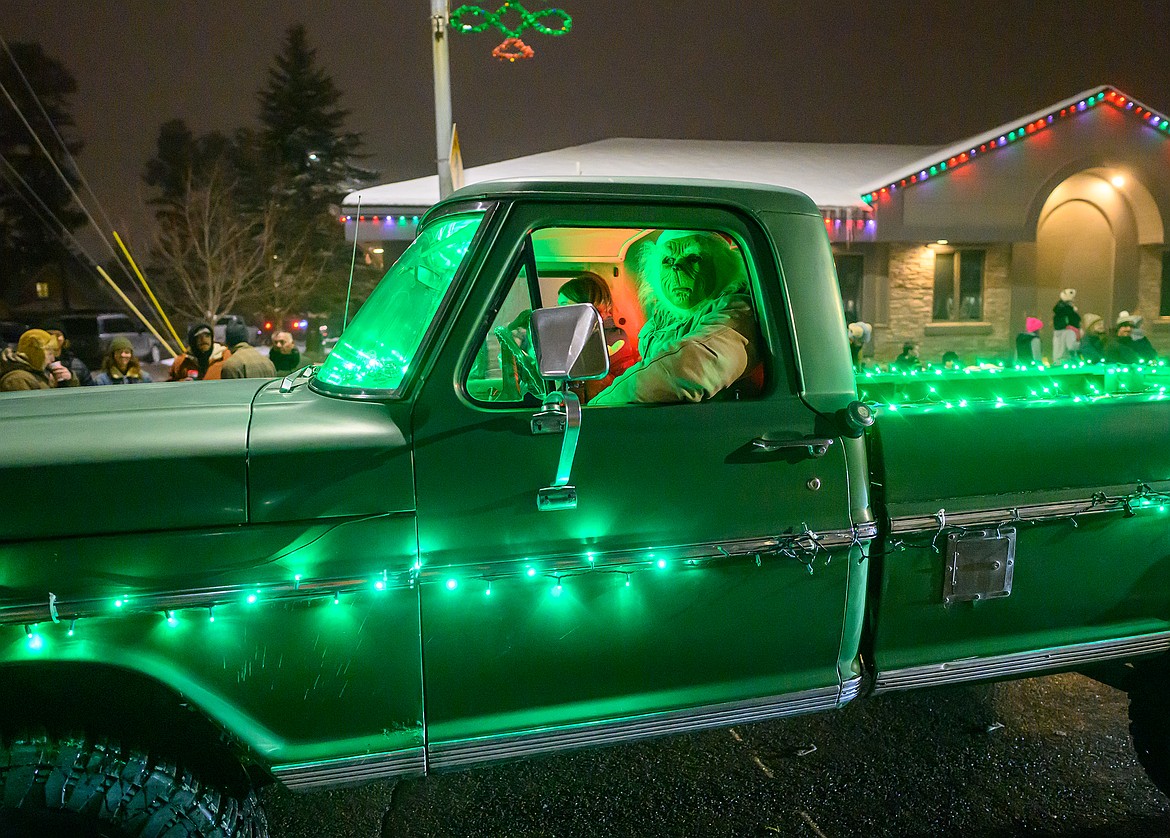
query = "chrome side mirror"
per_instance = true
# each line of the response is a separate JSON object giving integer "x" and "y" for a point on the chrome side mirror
{"x": 569, "y": 343}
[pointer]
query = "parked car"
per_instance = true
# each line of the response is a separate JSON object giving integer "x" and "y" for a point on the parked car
{"x": 90, "y": 336}
{"x": 220, "y": 328}
{"x": 10, "y": 331}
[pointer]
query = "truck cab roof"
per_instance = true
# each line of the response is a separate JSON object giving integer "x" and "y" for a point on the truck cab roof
{"x": 756, "y": 196}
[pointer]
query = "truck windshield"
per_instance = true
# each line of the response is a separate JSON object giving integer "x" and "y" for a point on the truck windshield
{"x": 380, "y": 344}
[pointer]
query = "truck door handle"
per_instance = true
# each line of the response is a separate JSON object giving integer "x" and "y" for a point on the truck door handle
{"x": 816, "y": 447}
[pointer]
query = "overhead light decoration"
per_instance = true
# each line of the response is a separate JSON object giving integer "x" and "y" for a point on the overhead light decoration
{"x": 1111, "y": 96}
{"x": 463, "y": 20}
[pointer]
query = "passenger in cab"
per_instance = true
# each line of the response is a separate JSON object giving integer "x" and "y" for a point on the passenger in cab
{"x": 701, "y": 338}
{"x": 590, "y": 288}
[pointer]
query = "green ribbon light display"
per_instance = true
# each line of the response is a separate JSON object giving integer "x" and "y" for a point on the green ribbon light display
{"x": 528, "y": 20}
{"x": 512, "y": 47}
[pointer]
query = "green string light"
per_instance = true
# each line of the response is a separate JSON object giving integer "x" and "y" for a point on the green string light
{"x": 528, "y": 20}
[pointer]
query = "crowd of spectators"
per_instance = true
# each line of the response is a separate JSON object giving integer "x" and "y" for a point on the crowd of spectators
{"x": 1089, "y": 342}
{"x": 43, "y": 360}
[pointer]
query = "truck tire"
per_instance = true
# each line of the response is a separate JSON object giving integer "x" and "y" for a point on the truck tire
{"x": 1149, "y": 727}
{"x": 95, "y": 788}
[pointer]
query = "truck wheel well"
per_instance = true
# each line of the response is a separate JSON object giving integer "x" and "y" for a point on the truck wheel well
{"x": 103, "y": 701}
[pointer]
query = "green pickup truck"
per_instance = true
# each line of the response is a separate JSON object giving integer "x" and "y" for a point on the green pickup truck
{"x": 443, "y": 547}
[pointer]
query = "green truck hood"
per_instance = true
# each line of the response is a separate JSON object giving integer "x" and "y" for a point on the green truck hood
{"x": 99, "y": 460}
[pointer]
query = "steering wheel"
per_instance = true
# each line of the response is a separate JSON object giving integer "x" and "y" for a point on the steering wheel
{"x": 530, "y": 378}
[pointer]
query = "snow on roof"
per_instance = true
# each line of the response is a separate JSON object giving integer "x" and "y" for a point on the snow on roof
{"x": 975, "y": 141}
{"x": 832, "y": 174}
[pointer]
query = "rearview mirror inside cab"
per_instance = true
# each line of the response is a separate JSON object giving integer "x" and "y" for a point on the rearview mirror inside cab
{"x": 569, "y": 343}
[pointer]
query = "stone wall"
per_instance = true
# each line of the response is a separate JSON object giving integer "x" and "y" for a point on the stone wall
{"x": 1150, "y": 296}
{"x": 911, "y": 302}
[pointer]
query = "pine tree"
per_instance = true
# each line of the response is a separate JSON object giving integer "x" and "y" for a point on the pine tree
{"x": 305, "y": 166}
{"x": 30, "y": 188}
{"x": 302, "y": 132}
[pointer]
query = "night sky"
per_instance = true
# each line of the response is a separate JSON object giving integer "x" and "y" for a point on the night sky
{"x": 889, "y": 72}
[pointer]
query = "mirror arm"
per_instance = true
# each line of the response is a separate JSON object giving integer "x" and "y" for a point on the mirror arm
{"x": 561, "y": 495}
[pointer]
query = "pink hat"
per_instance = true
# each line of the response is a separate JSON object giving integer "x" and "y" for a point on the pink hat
{"x": 1033, "y": 324}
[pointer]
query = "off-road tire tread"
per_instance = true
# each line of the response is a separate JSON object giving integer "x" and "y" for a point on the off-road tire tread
{"x": 1149, "y": 728}
{"x": 128, "y": 792}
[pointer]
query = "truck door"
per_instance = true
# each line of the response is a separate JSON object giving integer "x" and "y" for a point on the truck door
{"x": 701, "y": 578}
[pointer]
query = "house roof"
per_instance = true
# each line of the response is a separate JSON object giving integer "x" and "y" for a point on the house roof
{"x": 832, "y": 174}
{"x": 967, "y": 150}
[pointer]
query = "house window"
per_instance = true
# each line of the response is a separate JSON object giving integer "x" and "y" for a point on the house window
{"x": 1164, "y": 304}
{"x": 850, "y": 270}
{"x": 958, "y": 284}
{"x": 42, "y": 290}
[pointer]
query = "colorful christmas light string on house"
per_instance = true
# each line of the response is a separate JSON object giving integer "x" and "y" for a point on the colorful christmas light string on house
{"x": 1108, "y": 95}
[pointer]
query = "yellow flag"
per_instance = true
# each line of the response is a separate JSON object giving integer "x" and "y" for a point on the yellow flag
{"x": 456, "y": 159}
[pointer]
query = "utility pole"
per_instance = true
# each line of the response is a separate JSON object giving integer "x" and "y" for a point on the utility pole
{"x": 439, "y": 21}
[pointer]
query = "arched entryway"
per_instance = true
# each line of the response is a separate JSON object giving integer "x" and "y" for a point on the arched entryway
{"x": 1089, "y": 237}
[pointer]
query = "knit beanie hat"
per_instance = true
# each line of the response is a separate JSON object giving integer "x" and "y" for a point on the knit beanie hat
{"x": 1089, "y": 321}
{"x": 1068, "y": 294}
{"x": 120, "y": 344}
{"x": 32, "y": 345}
{"x": 235, "y": 333}
{"x": 1033, "y": 324}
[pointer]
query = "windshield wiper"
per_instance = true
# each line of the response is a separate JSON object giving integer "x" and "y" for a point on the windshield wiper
{"x": 306, "y": 371}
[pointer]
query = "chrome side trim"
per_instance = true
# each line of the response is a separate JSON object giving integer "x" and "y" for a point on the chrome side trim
{"x": 1007, "y": 515}
{"x": 809, "y": 541}
{"x": 52, "y": 609}
{"x": 55, "y": 610}
{"x": 1019, "y": 663}
{"x": 308, "y": 775}
{"x": 485, "y": 749}
{"x": 850, "y": 689}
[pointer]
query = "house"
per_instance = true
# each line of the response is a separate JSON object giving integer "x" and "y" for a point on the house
{"x": 950, "y": 247}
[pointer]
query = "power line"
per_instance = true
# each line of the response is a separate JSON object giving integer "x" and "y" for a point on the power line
{"x": 61, "y": 175}
{"x": 57, "y": 134}
{"x": 42, "y": 211}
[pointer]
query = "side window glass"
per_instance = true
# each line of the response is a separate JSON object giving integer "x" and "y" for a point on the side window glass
{"x": 504, "y": 369}
{"x": 677, "y": 307}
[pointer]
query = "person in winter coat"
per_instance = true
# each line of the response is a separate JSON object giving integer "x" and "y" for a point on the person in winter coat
{"x": 1141, "y": 344}
{"x": 1028, "y": 342}
{"x": 33, "y": 364}
{"x": 284, "y": 355}
{"x": 1092, "y": 349}
{"x": 1122, "y": 348}
{"x": 1066, "y": 327}
{"x": 120, "y": 366}
{"x": 860, "y": 334}
{"x": 65, "y": 355}
{"x": 908, "y": 359}
{"x": 203, "y": 359}
{"x": 245, "y": 360}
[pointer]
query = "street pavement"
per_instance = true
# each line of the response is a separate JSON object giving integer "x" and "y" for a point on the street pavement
{"x": 1040, "y": 757}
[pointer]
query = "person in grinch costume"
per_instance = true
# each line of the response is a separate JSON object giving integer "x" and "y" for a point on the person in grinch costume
{"x": 701, "y": 338}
